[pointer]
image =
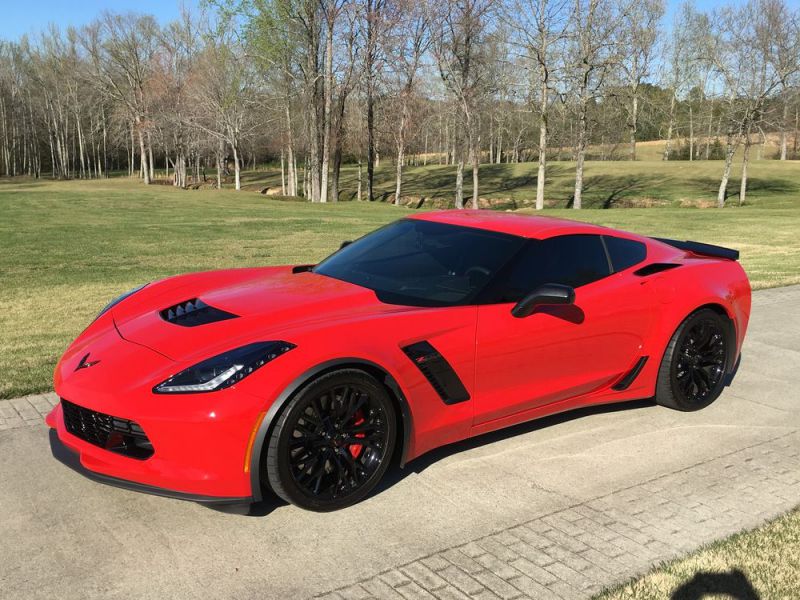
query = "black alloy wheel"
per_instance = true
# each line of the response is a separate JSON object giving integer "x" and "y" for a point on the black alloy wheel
{"x": 692, "y": 373}
{"x": 333, "y": 443}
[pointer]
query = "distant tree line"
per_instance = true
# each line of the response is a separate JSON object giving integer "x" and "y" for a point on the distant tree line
{"x": 313, "y": 84}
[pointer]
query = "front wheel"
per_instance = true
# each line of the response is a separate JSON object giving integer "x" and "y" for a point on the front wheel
{"x": 692, "y": 372}
{"x": 333, "y": 442}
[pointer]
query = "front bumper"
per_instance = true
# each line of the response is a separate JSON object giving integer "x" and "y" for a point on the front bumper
{"x": 71, "y": 458}
{"x": 199, "y": 441}
{"x": 192, "y": 461}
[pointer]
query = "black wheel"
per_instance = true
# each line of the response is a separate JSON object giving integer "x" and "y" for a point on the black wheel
{"x": 333, "y": 443}
{"x": 692, "y": 372}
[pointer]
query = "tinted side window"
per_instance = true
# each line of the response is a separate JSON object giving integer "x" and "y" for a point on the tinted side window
{"x": 573, "y": 260}
{"x": 624, "y": 253}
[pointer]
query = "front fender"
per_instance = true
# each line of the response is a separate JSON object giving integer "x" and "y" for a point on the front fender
{"x": 268, "y": 422}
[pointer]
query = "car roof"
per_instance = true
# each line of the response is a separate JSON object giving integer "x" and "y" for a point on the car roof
{"x": 529, "y": 226}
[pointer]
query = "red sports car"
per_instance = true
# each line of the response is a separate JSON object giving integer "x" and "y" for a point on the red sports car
{"x": 310, "y": 380}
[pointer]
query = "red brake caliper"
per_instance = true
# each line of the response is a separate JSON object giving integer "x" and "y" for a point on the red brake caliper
{"x": 355, "y": 449}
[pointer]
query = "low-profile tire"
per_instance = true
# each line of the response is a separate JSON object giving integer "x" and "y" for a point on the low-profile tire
{"x": 333, "y": 442}
{"x": 692, "y": 372}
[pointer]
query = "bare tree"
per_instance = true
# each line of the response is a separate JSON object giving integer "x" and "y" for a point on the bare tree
{"x": 639, "y": 34}
{"x": 408, "y": 42}
{"x": 225, "y": 97}
{"x": 373, "y": 64}
{"x": 594, "y": 31}
{"x": 122, "y": 48}
{"x": 461, "y": 54}
{"x": 540, "y": 27}
{"x": 741, "y": 55}
{"x": 783, "y": 26}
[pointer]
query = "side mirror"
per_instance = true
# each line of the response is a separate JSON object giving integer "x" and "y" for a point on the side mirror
{"x": 547, "y": 294}
{"x": 345, "y": 243}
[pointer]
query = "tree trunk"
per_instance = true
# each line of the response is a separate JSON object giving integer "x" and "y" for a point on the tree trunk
{"x": 220, "y": 160}
{"x": 745, "y": 161}
{"x": 337, "y": 168}
{"x": 150, "y": 157}
{"x": 398, "y": 188}
{"x": 370, "y": 75}
{"x": 358, "y": 190}
{"x": 143, "y": 153}
{"x": 460, "y": 182}
{"x": 236, "y": 167}
{"x": 401, "y": 143}
{"x": 577, "y": 198}
{"x": 670, "y": 127}
{"x": 691, "y": 134}
{"x": 540, "y": 176}
{"x": 476, "y": 163}
{"x": 283, "y": 173}
{"x": 634, "y": 123}
{"x": 784, "y": 123}
{"x": 328, "y": 103}
{"x": 723, "y": 185}
{"x": 292, "y": 187}
{"x": 296, "y": 176}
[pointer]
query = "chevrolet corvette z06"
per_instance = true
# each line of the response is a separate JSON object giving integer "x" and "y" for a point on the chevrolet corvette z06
{"x": 310, "y": 380}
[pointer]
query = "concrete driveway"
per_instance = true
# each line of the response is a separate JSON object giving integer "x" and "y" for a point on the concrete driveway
{"x": 557, "y": 508}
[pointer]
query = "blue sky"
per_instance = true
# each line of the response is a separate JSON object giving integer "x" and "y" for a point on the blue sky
{"x": 21, "y": 17}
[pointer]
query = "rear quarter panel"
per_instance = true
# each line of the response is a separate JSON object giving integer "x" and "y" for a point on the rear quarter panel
{"x": 680, "y": 291}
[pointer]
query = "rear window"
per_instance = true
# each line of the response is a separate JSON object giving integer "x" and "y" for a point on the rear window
{"x": 624, "y": 253}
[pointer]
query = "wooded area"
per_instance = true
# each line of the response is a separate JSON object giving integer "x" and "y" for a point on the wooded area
{"x": 310, "y": 84}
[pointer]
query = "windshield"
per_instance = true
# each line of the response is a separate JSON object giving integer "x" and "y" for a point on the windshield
{"x": 422, "y": 263}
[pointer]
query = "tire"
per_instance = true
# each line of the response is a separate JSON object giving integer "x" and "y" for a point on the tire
{"x": 313, "y": 460}
{"x": 692, "y": 372}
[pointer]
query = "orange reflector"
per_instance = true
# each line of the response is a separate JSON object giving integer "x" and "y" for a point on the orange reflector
{"x": 252, "y": 440}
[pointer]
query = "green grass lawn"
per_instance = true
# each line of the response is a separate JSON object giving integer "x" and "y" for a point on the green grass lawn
{"x": 66, "y": 248}
{"x": 763, "y": 563}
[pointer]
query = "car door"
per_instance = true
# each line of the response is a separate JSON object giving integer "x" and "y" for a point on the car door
{"x": 558, "y": 352}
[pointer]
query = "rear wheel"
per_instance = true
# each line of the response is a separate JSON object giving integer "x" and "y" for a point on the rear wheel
{"x": 692, "y": 372}
{"x": 333, "y": 443}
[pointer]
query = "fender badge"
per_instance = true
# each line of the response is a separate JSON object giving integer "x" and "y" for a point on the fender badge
{"x": 85, "y": 364}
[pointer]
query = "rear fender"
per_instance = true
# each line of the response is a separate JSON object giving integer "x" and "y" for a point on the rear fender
{"x": 696, "y": 284}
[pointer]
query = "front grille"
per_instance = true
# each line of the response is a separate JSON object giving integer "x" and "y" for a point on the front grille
{"x": 104, "y": 431}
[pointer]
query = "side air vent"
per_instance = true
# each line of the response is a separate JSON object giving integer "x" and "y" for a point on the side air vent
{"x": 194, "y": 312}
{"x": 438, "y": 372}
{"x": 630, "y": 376}
{"x": 654, "y": 268}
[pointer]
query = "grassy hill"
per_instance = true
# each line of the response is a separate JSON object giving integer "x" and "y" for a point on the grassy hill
{"x": 608, "y": 184}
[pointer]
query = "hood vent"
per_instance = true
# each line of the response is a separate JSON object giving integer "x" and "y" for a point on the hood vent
{"x": 194, "y": 312}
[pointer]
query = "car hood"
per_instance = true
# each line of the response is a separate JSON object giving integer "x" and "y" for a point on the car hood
{"x": 268, "y": 303}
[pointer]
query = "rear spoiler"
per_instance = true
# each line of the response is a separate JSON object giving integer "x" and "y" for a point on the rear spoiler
{"x": 700, "y": 248}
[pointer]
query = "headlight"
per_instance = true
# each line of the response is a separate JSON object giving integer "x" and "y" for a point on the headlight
{"x": 223, "y": 370}
{"x": 118, "y": 299}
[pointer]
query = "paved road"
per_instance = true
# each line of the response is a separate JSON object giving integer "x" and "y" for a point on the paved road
{"x": 557, "y": 509}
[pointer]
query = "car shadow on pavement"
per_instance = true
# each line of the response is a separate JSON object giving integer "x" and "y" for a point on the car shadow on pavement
{"x": 733, "y": 584}
{"x": 418, "y": 465}
{"x": 397, "y": 474}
